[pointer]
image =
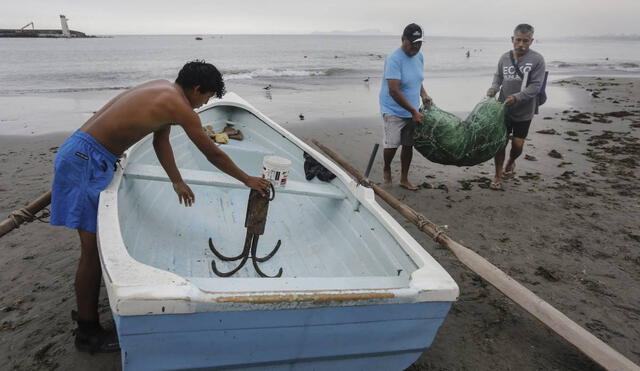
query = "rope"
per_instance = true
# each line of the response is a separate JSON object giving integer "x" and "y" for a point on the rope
{"x": 438, "y": 232}
{"x": 24, "y": 216}
{"x": 422, "y": 223}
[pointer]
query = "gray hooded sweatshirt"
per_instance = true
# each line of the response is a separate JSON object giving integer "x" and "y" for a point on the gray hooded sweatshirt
{"x": 507, "y": 80}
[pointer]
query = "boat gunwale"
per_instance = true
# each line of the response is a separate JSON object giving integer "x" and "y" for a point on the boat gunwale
{"x": 148, "y": 289}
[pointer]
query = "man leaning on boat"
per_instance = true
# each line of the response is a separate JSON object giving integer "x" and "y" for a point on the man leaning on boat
{"x": 85, "y": 164}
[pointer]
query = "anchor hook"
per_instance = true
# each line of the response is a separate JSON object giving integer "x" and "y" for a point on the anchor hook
{"x": 256, "y": 218}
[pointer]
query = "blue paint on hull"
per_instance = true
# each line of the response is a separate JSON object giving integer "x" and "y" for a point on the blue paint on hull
{"x": 379, "y": 337}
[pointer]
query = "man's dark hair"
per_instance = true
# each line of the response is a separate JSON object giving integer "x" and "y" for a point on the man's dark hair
{"x": 205, "y": 75}
{"x": 524, "y": 28}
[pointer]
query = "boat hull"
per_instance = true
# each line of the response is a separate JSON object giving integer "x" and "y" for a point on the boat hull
{"x": 375, "y": 337}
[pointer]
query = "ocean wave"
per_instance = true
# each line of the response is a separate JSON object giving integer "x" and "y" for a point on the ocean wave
{"x": 266, "y": 72}
{"x": 269, "y": 73}
{"x": 630, "y": 65}
{"x": 338, "y": 71}
{"x": 605, "y": 66}
{"x": 59, "y": 90}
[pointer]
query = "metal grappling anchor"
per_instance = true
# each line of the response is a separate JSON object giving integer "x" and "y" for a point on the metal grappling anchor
{"x": 255, "y": 221}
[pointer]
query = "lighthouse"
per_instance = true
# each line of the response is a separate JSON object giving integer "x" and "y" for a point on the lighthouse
{"x": 65, "y": 27}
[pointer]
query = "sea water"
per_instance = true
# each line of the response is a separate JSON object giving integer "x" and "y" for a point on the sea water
{"x": 49, "y": 85}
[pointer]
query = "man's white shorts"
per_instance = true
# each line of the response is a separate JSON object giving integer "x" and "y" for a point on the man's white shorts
{"x": 397, "y": 131}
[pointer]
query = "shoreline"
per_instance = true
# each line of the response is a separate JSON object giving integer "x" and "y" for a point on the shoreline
{"x": 567, "y": 228}
{"x": 47, "y": 112}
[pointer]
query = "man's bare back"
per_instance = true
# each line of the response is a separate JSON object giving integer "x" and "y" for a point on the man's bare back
{"x": 135, "y": 113}
{"x": 153, "y": 107}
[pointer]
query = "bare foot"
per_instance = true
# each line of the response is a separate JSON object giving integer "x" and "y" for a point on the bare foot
{"x": 408, "y": 186}
{"x": 387, "y": 176}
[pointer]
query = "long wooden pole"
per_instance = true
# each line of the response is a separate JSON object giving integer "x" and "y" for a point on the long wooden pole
{"x": 586, "y": 342}
{"x": 33, "y": 208}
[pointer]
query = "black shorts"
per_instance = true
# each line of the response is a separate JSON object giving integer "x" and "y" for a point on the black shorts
{"x": 520, "y": 129}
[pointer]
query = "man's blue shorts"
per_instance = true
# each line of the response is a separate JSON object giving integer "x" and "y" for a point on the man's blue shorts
{"x": 82, "y": 169}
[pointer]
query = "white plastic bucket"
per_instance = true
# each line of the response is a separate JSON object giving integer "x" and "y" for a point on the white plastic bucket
{"x": 276, "y": 170}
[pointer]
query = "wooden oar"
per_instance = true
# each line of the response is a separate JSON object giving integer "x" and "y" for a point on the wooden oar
{"x": 25, "y": 214}
{"x": 586, "y": 342}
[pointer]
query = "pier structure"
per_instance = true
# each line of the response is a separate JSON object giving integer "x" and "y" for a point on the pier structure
{"x": 64, "y": 31}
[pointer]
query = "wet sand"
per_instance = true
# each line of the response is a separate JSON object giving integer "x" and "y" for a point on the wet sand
{"x": 567, "y": 227}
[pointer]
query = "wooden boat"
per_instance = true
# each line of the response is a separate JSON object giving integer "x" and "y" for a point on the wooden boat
{"x": 357, "y": 291}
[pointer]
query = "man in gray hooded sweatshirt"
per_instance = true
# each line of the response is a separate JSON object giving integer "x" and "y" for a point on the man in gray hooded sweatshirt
{"x": 519, "y": 78}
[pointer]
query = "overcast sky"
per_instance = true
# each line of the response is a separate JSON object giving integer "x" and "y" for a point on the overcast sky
{"x": 551, "y": 18}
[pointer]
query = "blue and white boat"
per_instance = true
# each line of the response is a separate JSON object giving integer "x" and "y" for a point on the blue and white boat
{"x": 357, "y": 291}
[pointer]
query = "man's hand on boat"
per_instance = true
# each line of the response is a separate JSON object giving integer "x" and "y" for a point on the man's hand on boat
{"x": 185, "y": 194}
{"x": 259, "y": 184}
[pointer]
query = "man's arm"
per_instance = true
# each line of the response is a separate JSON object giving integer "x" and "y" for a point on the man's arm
{"x": 162, "y": 146}
{"x": 396, "y": 94}
{"x": 497, "y": 80}
{"x": 190, "y": 122}
{"x": 426, "y": 99}
{"x": 536, "y": 75}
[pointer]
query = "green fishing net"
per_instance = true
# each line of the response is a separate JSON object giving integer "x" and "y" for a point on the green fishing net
{"x": 444, "y": 138}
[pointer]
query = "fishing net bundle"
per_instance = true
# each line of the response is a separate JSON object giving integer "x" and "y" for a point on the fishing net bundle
{"x": 446, "y": 139}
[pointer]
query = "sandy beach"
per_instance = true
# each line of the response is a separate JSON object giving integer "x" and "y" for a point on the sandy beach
{"x": 567, "y": 227}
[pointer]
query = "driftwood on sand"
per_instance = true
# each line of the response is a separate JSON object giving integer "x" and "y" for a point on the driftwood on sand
{"x": 583, "y": 340}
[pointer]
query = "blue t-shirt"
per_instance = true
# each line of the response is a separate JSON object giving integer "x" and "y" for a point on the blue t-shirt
{"x": 410, "y": 72}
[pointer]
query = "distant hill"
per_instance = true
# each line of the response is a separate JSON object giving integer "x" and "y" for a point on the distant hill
{"x": 369, "y": 32}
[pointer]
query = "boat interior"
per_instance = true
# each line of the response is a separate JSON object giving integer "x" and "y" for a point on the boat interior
{"x": 322, "y": 229}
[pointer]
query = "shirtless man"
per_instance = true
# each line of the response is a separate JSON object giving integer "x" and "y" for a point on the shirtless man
{"x": 85, "y": 164}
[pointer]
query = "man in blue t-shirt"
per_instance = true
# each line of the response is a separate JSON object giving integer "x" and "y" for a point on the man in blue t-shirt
{"x": 400, "y": 97}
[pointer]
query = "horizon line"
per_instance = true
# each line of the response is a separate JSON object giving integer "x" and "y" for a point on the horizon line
{"x": 356, "y": 33}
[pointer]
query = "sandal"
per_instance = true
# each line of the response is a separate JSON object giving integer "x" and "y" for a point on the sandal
{"x": 92, "y": 338}
{"x": 99, "y": 341}
{"x": 233, "y": 133}
{"x": 409, "y": 187}
{"x": 496, "y": 186}
{"x": 508, "y": 174}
